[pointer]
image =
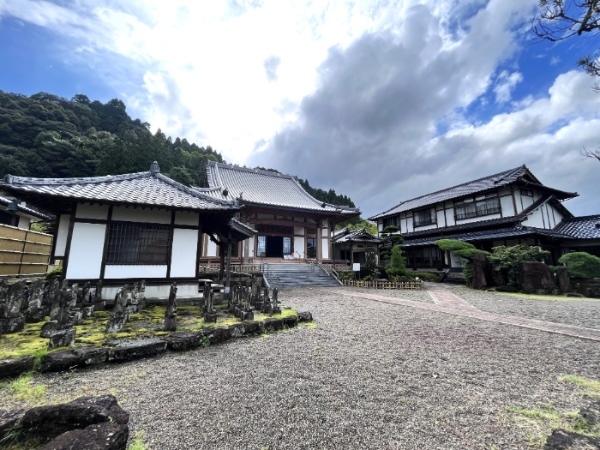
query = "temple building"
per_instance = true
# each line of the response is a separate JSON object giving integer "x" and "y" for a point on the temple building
{"x": 290, "y": 223}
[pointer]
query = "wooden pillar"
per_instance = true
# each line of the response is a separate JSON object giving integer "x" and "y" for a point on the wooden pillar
{"x": 228, "y": 272}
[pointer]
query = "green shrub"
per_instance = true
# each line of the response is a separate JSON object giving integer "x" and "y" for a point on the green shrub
{"x": 510, "y": 259}
{"x": 55, "y": 274}
{"x": 464, "y": 250}
{"x": 426, "y": 276}
{"x": 397, "y": 266}
{"x": 581, "y": 265}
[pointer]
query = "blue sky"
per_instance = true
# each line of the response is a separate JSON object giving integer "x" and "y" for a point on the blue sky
{"x": 381, "y": 100}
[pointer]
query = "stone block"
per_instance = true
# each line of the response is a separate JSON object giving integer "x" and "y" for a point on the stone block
{"x": 536, "y": 278}
{"x": 103, "y": 436}
{"x": 8, "y": 419}
{"x": 289, "y": 321}
{"x": 210, "y": 317}
{"x": 305, "y": 316}
{"x": 183, "y": 341}
{"x": 62, "y": 338}
{"x": 218, "y": 335}
{"x": 11, "y": 368}
{"x": 12, "y": 325}
{"x": 68, "y": 359}
{"x": 272, "y": 325}
{"x": 133, "y": 350}
{"x": 251, "y": 328}
{"x": 246, "y": 315}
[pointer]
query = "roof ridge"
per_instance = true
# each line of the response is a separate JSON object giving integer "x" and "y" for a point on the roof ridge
{"x": 192, "y": 191}
{"x": 257, "y": 171}
{"x": 13, "y": 179}
{"x": 579, "y": 218}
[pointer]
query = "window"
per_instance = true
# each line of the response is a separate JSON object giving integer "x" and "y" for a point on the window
{"x": 287, "y": 246}
{"x": 391, "y": 221}
{"x": 138, "y": 244}
{"x": 526, "y": 192}
{"x": 479, "y": 206}
{"x": 424, "y": 217}
{"x": 262, "y": 246}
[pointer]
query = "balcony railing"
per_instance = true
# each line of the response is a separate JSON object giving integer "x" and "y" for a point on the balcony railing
{"x": 477, "y": 213}
{"x": 422, "y": 221}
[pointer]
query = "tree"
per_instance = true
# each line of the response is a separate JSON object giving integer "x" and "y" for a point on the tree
{"x": 562, "y": 19}
{"x": 397, "y": 265}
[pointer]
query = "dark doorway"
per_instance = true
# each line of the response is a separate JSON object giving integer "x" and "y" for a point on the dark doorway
{"x": 274, "y": 247}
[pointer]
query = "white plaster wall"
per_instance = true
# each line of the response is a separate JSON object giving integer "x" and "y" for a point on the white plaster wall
{"x": 141, "y": 272}
{"x": 506, "y": 204}
{"x": 325, "y": 223}
{"x": 478, "y": 219}
{"x": 186, "y": 218}
{"x": 184, "y": 290}
{"x": 324, "y": 232}
{"x": 141, "y": 215}
{"x": 184, "y": 253}
{"x": 450, "y": 217}
{"x": 557, "y": 216}
{"x": 325, "y": 248}
{"x": 409, "y": 225}
{"x": 211, "y": 248}
{"x": 527, "y": 201}
{"x": 299, "y": 247}
{"x": 24, "y": 222}
{"x": 299, "y": 230}
{"x": 441, "y": 220}
{"x": 426, "y": 227}
{"x": 88, "y": 211}
{"x": 62, "y": 234}
{"x": 456, "y": 261}
{"x": 251, "y": 246}
{"x": 87, "y": 248}
{"x": 534, "y": 219}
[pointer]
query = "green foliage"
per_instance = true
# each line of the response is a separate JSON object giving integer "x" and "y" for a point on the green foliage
{"x": 460, "y": 248}
{"x": 327, "y": 196}
{"x": 397, "y": 266}
{"x": 358, "y": 223}
{"x": 509, "y": 259}
{"x": 425, "y": 276}
{"x": 55, "y": 274}
{"x": 581, "y": 265}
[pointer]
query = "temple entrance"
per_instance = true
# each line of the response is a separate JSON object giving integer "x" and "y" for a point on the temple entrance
{"x": 274, "y": 246}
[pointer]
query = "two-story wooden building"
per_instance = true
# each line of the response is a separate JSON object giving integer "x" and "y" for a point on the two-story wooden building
{"x": 290, "y": 223}
{"x": 507, "y": 208}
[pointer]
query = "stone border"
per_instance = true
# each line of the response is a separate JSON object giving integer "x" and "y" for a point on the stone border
{"x": 143, "y": 348}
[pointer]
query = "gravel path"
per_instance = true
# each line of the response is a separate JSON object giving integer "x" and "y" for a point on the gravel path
{"x": 582, "y": 313}
{"x": 370, "y": 376}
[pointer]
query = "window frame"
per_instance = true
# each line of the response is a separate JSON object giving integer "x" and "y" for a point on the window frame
{"x": 477, "y": 206}
{"x": 138, "y": 244}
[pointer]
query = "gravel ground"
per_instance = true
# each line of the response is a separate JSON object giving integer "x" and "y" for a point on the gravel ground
{"x": 571, "y": 311}
{"x": 369, "y": 376}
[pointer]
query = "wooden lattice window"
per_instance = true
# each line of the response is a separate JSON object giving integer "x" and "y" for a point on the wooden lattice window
{"x": 138, "y": 244}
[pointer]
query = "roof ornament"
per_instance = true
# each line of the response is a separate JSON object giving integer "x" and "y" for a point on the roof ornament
{"x": 225, "y": 192}
{"x": 154, "y": 167}
{"x": 323, "y": 205}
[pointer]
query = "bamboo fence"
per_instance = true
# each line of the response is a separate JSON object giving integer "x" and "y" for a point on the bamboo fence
{"x": 385, "y": 284}
{"x": 23, "y": 252}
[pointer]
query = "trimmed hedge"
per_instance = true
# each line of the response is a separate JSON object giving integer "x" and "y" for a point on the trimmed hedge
{"x": 581, "y": 265}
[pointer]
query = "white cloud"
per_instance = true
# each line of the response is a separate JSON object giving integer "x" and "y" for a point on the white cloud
{"x": 505, "y": 84}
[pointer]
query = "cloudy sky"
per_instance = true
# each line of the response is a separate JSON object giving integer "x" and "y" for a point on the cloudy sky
{"x": 380, "y": 100}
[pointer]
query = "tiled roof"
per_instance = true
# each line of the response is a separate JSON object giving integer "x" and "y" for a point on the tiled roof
{"x": 259, "y": 187}
{"x": 355, "y": 236}
{"x": 585, "y": 227}
{"x": 484, "y": 235}
{"x": 470, "y": 188}
{"x": 142, "y": 188}
{"x": 26, "y": 210}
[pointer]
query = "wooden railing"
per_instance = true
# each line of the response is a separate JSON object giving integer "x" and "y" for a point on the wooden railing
{"x": 246, "y": 268}
{"x": 23, "y": 252}
{"x": 385, "y": 284}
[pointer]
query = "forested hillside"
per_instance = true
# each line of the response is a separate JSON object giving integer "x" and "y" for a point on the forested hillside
{"x": 48, "y": 136}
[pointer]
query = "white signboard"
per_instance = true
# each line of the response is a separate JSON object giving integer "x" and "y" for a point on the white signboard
{"x": 356, "y": 267}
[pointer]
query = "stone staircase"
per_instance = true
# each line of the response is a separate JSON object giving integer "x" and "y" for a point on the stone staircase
{"x": 297, "y": 275}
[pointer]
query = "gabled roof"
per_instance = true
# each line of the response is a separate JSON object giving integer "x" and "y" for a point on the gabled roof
{"x": 26, "y": 209}
{"x": 362, "y": 235}
{"x": 520, "y": 174}
{"x": 142, "y": 188}
{"x": 547, "y": 198}
{"x": 584, "y": 227}
{"x": 264, "y": 188}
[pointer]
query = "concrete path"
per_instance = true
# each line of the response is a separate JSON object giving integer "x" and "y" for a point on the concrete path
{"x": 448, "y": 303}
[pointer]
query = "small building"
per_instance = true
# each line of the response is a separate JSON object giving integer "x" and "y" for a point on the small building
{"x": 18, "y": 214}
{"x": 583, "y": 234}
{"x": 508, "y": 208}
{"x": 125, "y": 228}
{"x": 290, "y": 223}
{"x": 353, "y": 246}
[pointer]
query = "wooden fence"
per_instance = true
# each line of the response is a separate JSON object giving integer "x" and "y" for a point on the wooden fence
{"x": 23, "y": 252}
{"x": 385, "y": 284}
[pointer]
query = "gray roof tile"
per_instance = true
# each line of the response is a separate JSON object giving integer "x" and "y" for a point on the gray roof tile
{"x": 266, "y": 188}
{"x": 584, "y": 227}
{"x": 26, "y": 209}
{"x": 142, "y": 188}
{"x": 470, "y": 188}
{"x": 355, "y": 236}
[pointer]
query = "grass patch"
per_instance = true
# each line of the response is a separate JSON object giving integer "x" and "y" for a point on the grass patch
{"x": 591, "y": 387}
{"x": 311, "y": 325}
{"x": 137, "y": 442}
{"x": 23, "y": 389}
{"x": 556, "y": 298}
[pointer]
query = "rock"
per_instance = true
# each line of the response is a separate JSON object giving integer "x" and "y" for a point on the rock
{"x": 246, "y": 315}
{"x": 218, "y": 335}
{"x": 136, "y": 350}
{"x": 507, "y": 289}
{"x": 289, "y": 321}
{"x": 566, "y": 440}
{"x": 8, "y": 419}
{"x": 12, "y": 325}
{"x": 305, "y": 317}
{"x": 103, "y": 436}
{"x": 563, "y": 281}
{"x": 62, "y": 338}
{"x": 183, "y": 341}
{"x": 251, "y": 327}
{"x": 87, "y": 311}
{"x": 536, "y": 277}
{"x": 575, "y": 295}
{"x": 11, "y": 368}
{"x": 481, "y": 269}
{"x": 68, "y": 359}
{"x": 47, "y": 422}
{"x": 210, "y": 317}
{"x": 272, "y": 325}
